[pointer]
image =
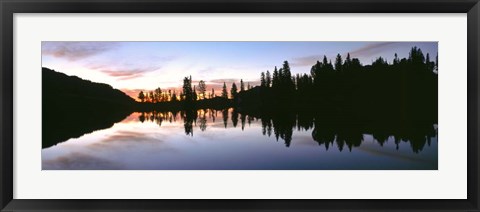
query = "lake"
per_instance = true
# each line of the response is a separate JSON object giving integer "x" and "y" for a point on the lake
{"x": 209, "y": 139}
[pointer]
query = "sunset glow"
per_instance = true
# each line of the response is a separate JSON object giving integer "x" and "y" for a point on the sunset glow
{"x": 138, "y": 66}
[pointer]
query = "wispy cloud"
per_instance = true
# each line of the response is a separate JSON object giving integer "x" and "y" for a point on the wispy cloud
{"x": 124, "y": 73}
{"x": 372, "y": 49}
{"x": 128, "y": 136}
{"x": 306, "y": 61}
{"x": 368, "y": 50}
{"x": 227, "y": 81}
{"x": 217, "y": 84}
{"x": 125, "y": 70}
{"x": 73, "y": 51}
{"x": 127, "y": 73}
{"x": 79, "y": 160}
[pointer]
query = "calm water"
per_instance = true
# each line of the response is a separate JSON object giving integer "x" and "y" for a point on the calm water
{"x": 226, "y": 140}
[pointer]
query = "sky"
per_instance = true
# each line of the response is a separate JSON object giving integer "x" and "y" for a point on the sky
{"x": 136, "y": 66}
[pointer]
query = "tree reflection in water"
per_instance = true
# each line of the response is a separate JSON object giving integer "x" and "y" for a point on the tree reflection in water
{"x": 327, "y": 131}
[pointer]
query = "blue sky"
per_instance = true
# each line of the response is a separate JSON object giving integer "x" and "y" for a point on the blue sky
{"x": 135, "y": 66}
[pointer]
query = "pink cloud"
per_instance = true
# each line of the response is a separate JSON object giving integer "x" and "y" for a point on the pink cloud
{"x": 372, "y": 49}
{"x": 75, "y": 50}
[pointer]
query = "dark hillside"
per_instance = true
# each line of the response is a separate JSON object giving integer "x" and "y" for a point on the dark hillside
{"x": 72, "y": 106}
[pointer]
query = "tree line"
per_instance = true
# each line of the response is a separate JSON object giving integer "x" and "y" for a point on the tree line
{"x": 189, "y": 93}
{"x": 403, "y": 88}
{"x": 344, "y": 75}
{"x": 325, "y": 132}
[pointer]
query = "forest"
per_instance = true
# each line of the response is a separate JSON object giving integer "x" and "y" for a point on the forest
{"x": 341, "y": 98}
{"x": 404, "y": 89}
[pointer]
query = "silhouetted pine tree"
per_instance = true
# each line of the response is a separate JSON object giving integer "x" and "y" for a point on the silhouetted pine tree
{"x": 224, "y": 91}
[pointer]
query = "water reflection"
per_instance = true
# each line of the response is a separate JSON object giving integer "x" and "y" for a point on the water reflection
{"x": 325, "y": 132}
{"x": 197, "y": 140}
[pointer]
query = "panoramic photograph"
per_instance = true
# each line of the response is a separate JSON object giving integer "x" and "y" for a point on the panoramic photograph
{"x": 217, "y": 105}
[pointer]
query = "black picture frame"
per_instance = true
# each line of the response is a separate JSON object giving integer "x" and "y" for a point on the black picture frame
{"x": 9, "y": 7}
